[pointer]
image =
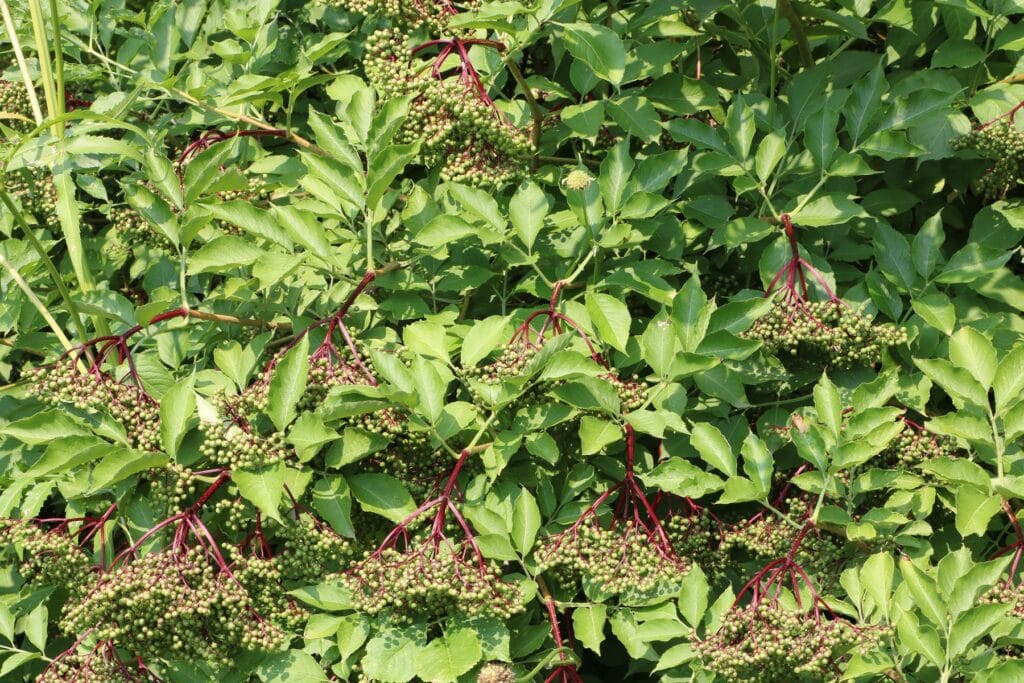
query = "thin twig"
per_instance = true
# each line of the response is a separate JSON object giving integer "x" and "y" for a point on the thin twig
{"x": 40, "y": 306}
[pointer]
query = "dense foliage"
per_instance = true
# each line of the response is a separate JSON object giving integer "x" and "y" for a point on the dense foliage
{"x": 496, "y": 341}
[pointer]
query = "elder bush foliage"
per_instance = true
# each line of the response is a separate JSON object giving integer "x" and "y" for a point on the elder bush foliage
{"x": 393, "y": 340}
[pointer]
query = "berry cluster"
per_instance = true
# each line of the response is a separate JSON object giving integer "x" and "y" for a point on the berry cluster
{"x": 312, "y": 549}
{"x": 14, "y": 100}
{"x": 698, "y": 535}
{"x": 769, "y": 643}
{"x": 914, "y": 445}
{"x": 410, "y": 15}
{"x": 173, "y": 486}
{"x": 236, "y": 446}
{"x": 132, "y": 230}
{"x": 174, "y": 603}
{"x": 767, "y": 537}
{"x": 824, "y": 331}
{"x": 512, "y": 365}
{"x": 621, "y": 560}
{"x": 1002, "y": 143}
{"x": 49, "y": 558}
{"x": 95, "y": 390}
{"x": 102, "y": 663}
{"x": 461, "y": 130}
{"x": 432, "y": 581}
{"x": 34, "y": 190}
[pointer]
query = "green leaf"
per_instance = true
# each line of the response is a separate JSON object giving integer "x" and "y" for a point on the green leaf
{"x": 430, "y": 388}
{"x": 828, "y": 405}
{"x": 972, "y": 262}
{"x": 155, "y": 210}
{"x": 527, "y": 210}
{"x": 922, "y": 639}
{"x": 525, "y": 521}
{"x": 445, "y": 659}
{"x": 927, "y": 245}
{"x": 392, "y": 655}
{"x": 638, "y": 118}
{"x": 713, "y": 448}
{"x": 291, "y": 665}
{"x": 484, "y": 337}
{"x": 43, "y": 427}
{"x": 974, "y": 510}
{"x": 333, "y": 502}
{"x": 972, "y": 351}
{"x": 957, "y": 382}
{"x": 893, "y": 253}
{"x": 922, "y": 587}
{"x": 830, "y": 209}
{"x": 972, "y": 625}
{"x": 610, "y": 316}
{"x": 223, "y": 253}
{"x": 769, "y": 153}
{"x": 288, "y": 384}
{"x": 876, "y": 575}
{"x": 262, "y": 487}
{"x": 599, "y": 48}
{"x": 382, "y": 494}
{"x": 588, "y": 624}
{"x": 253, "y": 220}
{"x": 690, "y": 314}
{"x": 36, "y": 626}
{"x": 1008, "y": 382}
{"x": 615, "y": 171}
{"x": 176, "y": 409}
{"x": 680, "y": 477}
{"x": 757, "y": 462}
{"x": 596, "y": 433}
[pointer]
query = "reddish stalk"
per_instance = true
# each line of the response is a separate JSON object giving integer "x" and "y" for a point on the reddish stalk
{"x": 632, "y": 505}
{"x": 1010, "y": 114}
{"x": 566, "y": 672}
{"x": 792, "y": 279}
{"x": 1017, "y": 547}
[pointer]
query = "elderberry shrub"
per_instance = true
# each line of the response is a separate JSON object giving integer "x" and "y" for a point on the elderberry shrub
{"x": 14, "y": 100}
{"x": 176, "y": 605}
{"x": 824, "y": 331}
{"x": 768, "y": 537}
{"x": 430, "y": 583}
{"x": 95, "y": 391}
{"x": 771, "y": 644}
{"x": 460, "y": 130}
{"x": 1003, "y": 144}
{"x": 623, "y": 560}
{"x": 47, "y": 558}
{"x": 496, "y": 672}
{"x": 236, "y": 446}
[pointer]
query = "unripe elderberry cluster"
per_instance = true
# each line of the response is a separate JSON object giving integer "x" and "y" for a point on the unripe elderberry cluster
{"x": 824, "y": 332}
{"x": 1002, "y": 143}
{"x": 431, "y": 582}
{"x": 460, "y": 129}
{"x": 174, "y": 604}
{"x": 97, "y": 391}
{"x": 771, "y": 644}
{"x": 622, "y": 560}
{"x": 48, "y": 558}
